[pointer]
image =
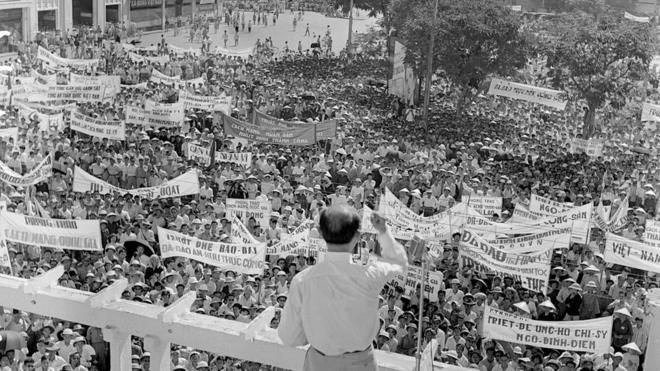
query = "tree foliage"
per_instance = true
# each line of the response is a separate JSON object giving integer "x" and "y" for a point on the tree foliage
{"x": 474, "y": 40}
{"x": 598, "y": 59}
{"x": 373, "y": 7}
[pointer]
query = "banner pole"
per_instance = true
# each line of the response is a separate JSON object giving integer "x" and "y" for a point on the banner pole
{"x": 418, "y": 355}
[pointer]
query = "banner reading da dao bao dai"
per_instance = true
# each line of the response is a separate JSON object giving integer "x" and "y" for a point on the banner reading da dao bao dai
{"x": 184, "y": 185}
{"x": 591, "y": 336}
{"x": 245, "y": 209}
{"x": 532, "y": 270}
{"x": 240, "y": 258}
{"x": 115, "y": 130}
{"x": 485, "y": 205}
{"x": 56, "y": 233}
{"x": 548, "y": 97}
{"x": 629, "y": 253}
{"x": 299, "y": 136}
{"x": 411, "y": 279}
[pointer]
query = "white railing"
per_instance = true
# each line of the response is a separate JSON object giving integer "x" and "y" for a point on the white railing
{"x": 160, "y": 327}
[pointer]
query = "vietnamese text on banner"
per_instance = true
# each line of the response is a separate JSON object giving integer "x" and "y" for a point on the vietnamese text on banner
{"x": 591, "y": 336}
{"x": 299, "y": 136}
{"x": 56, "y": 233}
{"x": 114, "y": 130}
{"x": 629, "y": 253}
{"x": 547, "y": 97}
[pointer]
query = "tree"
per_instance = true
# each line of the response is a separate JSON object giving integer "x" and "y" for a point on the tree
{"x": 599, "y": 60}
{"x": 475, "y": 39}
{"x": 374, "y": 7}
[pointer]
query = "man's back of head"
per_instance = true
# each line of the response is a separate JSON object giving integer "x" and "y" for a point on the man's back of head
{"x": 339, "y": 225}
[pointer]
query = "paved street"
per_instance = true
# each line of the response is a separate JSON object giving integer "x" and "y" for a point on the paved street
{"x": 280, "y": 33}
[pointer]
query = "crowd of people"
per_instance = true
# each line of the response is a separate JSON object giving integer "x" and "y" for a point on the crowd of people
{"x": 496, "y": 147}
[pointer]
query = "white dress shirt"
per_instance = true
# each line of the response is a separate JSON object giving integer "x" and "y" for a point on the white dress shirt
{"x": 334, "y": 305}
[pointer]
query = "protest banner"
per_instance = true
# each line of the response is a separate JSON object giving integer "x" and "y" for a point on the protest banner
{"x": 651, "y": 112}
{"x": 325, "y": 130}
{"x": 396, "y": 230}
{"x": 516, "y": 8}
{"x": 78, "y": 93}
{"x": 543, "y": 206}
{"x": 40, "y": 173}
{"x": 411, "y": 278}
{"x": 533, "y": 270}
{"x": 548, "y": 97}
{"x": 243, "y": 53}
{"x": 240, "y": 233}
{"x": 302, "y": 136}
{"x": 181, "y": 51}
{"x": 5, "y": 96}
{"x": 6, "y": 133}
{"x": 56, "y": 233}
{"x": 161, "y": 59}
{"x": 160, "y": 78}
{"x": 242, "y": 158}
{"x": 591, "y": 147}
{"x": 484, "y": 205}
{"x": 110, "y": 84}
{"x": 184, "y": 185}
{"x": 652, "y": 233}
{"x": 259, "y": 209}
{"x": 630, "y": 253}
{"x": 590, "y": 336}
{"x": 292, "y": 244}
{"x": 521, "y": 214}
{"x": 156, "y": 115}
{"x": 559, "y": 238}
{"x": 220, "y": 103}
{"x": 240, "y": 258}
{"x": 432, "y": 227}
{"x": 55, "y": 60}
{"x": 635, "y": 18}
{"x": 42, "y": 79}
{"x": 5, "y": 260}
{"x": 201, "y": 155}
{"x": 114, "y": 130}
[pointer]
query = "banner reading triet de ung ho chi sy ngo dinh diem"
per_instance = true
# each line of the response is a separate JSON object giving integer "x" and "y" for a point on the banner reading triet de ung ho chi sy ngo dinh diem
{"x": 591, "y": 336}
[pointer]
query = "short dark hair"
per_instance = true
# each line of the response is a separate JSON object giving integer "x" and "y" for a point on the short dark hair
{"x": 339, "y": 224}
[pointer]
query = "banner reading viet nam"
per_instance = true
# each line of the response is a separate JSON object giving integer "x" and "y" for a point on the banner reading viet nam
{"x": 325, "y": 130}
{"x": 55, "y": 60}
{"x": 532, "y": 270}
{"x": 559, "y": 238}
{"x": 591, "y": 336}
{"x": 259, "y": 209}
{"x": 650, "y": 112}
{"x": 634, "y": 254}
{"x": 183, "y": 185}
{"x": 41, "y": 172}
{"x": 302, "y": 136}
{"x": 411, "y": 278}
{"x": 484, "y": 205}
{"x": 199, "y": 154}
{"x": 243, "y": 158}
{"x": 56, "y": 233}
{"x": 156, "y": 115}
{"x": 240, "y": 258}
{"x": 213, "y": 103}
{"x": 548, "y": 97}
{"x": 111, "y": 84}
{"x": 115, "y": 130}
{"x": 544, "y": 206}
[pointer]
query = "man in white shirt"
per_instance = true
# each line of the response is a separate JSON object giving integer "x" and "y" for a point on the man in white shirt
{"x": 340, "y": 327}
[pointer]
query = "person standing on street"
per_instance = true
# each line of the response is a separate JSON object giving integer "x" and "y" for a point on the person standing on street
{"x": 331, "y": 305}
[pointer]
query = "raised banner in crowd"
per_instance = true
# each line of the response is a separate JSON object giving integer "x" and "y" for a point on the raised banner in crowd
{"x": 240, "y": 258}
{"x": 239, "y": 158}
{"x": 220, "y": 103}
{"x": 5, "y": 260}
{"x": 559, "y": 238}
{"x": 404, "y": 82}
{"x": 547, "y": 97}
{"x": 590, "y": 336}
{"x": 55, "y": 60}
{"x": 545, "y": 207}
{"x": 184, "y": 185}
{"x": 78, "y": 93}
{"x": 160, "y": 78}
{"x": 293, "y": 244}
{"x": 239, "y": 232}
{"x": 635, "y": 18}
{"x": 161, "y": 59}
{"x": 41, "y": 172}
{"x": 5, "y": 96}
{"x": 302, "y": 136}
{"x": 201, "y": 155}
{"x": 259, "y": 209}
{"x": 156, "y": 115}
{"x": 652, "y": 233}
{"x": 243, "y": 53}
{"x": 110, "y": 84}
{"x": 521, "y": 214}
{"x": 650, "y": 112}
{"x": 432, "y": 227}
{"x": 114, "y": 130}
{"x": 46, "y": 122}
{"x": 533, "y": 270}
{"x": 484, "y": 205}
{"x": 592, "y": 147}
{"x": 411, "y": 279}
{"x": 6, "y": 133}
{"x": 325, "y": 130}
{"x": 396, "y": 230}
{"x": 71, "y": 234}
{"x": 630, "y": 253}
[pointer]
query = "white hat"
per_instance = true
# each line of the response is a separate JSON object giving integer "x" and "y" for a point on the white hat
{"x": 623, "y": 311}
{"x": 631, "y": 346}
{"x": 548, "y": 304}
{"x": 522, "y": 306}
